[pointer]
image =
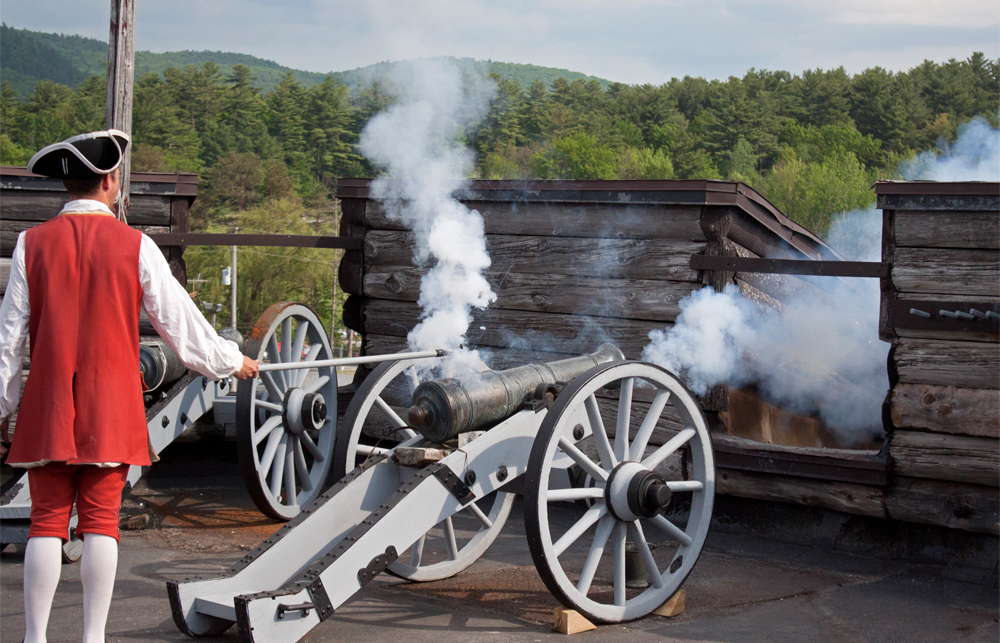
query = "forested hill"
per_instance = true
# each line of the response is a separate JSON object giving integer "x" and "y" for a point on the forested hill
{"x": 30, "y": 56}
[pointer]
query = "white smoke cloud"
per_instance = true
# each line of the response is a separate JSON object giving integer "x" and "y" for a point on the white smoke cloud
{"x": 821, "y": 354}
{"x": 974, "y": 156}
{"x": 417, "y": 143}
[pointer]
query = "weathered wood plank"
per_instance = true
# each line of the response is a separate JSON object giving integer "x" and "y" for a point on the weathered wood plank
{"x": 907, "y": 302}
{"x": 947, "y": 409}
{"x": 599, "y": 257}
{"x": 947, "y": 229}
{"x": 625, "y": 221}
{"x": 947, "y": 363}
{"x": 573, "y": 334}
{"x": 23, "y": 205}
{"x": 941, "y": 456}
{"x": 4, "y": 274}
{"x": 973, "y": 273}
{"x": 948, "y": 504}
{"x": 852, "y": 498}
{"x": 625, "y": 298}
{"x": 10, "y": 229}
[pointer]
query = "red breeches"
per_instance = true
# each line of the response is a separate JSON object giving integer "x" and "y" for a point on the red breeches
{"x": 96, "y": 490}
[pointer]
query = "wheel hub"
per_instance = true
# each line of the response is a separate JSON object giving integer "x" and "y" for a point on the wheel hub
{"x": 633, "y": 492}
{"x": 303, "y": 411}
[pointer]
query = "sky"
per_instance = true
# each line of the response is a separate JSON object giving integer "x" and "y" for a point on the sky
{"x": 630, "y": 41}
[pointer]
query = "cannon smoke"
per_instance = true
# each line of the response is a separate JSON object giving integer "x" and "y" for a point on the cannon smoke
{"x": 416, "y": 143}
{"x": 796, "y": 357}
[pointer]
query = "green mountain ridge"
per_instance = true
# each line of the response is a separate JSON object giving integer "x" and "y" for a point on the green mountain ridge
{"x": 27, "y": 57}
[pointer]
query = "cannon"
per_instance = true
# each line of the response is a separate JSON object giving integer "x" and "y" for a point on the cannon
{"x": 540, "y": 431}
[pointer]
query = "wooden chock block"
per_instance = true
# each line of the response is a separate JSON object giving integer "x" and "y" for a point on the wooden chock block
{"x": 674, "y": 605}
{"x": 567, "y": 621}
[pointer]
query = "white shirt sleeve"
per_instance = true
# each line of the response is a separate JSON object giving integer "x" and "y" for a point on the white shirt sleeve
{"x": 178, "y": 320}
{"x": 15, "y": 313}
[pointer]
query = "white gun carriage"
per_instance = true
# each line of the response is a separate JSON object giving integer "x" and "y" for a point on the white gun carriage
{"x": 539, "y": 431}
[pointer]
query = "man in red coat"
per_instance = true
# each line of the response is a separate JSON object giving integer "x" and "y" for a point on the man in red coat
{"x": 76, "y": 285}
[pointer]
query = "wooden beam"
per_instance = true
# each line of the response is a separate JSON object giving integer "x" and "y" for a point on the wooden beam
{"x": 852, "y": 498}
{"x": 941, "y": 456}
{"x": 664, "y": 259}
{"x": 947, "y": 409}
{"x": 625, "y": 298}
{"x": 277, "y": 240}
{"x": 972, "y": 272}
{"x": 790, "y": 266}
{"x": 947, "y": 504}
{"x": 947, "y": 363}
{"x": 590, "y": 220}
{"x": 121, "y": 74}
{"x": 947, "y": 229}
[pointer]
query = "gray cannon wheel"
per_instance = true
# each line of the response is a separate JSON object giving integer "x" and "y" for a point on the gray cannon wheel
{"x": 459, "y": 540}
{"x": 571, "y": 560}
{"x": 285, "y": 448}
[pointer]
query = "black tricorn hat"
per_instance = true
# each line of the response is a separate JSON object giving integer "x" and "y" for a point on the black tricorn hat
{"x": 81, "y": 157}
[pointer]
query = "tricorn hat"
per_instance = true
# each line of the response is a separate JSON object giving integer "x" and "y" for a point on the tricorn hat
{"x": 81, "y": 157}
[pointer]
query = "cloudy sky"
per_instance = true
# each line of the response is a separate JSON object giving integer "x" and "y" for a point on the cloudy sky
{"x": 633, "y": 41}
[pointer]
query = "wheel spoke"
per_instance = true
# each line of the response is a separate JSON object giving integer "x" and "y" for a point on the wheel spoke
{"x": 648, "y": 425}
{"x": 275, "y": 354}
{"x": 286, "y": 340}
{"x": 608, "y": 461}
{"x": 685, "y": 485}
{"x": 593, "y": 514}
{"x": 301, "y": 468}
{"x": 300, "y": 340}
{"x": 639, "y": 538}
{"x": 579, "y": 457}
{"x": 672, "y": 530}
{"x": 270, "y": 406}
{"x": 311, "y": 447}
{"x": 619, "y": 542}
{"x": 394, "y": 419}
{"x": 274, "y": 391}
{"x": 483, "y": 518}
{"x": 317, "y": 385}
{"x": 585, "y": 493}
{"x": 278, "y": 470}
{"x": 269, "y": 450}
{"x": 604, "y": 528}
{"x": 365, "y": 449}
{"x": 418, "y": 551}
{"x": 624, "y": 419}
{"x": 290, "y": 476}
{"x": 313, "y": 354}
{"x": 449, "y": 532}
{"x": 265, "y": 429}
{"x": 664, "y": 452}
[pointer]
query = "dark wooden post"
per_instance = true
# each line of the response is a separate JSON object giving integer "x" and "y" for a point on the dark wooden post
{"x": 121, "y": 73}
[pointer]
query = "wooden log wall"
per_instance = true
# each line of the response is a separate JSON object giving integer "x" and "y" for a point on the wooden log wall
{"x": 160, "y": 203}
{"x": 943, "y": 244}
{"x": 571, "y": 270}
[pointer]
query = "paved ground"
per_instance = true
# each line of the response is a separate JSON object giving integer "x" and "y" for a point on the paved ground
{"x": 743, "y": 589}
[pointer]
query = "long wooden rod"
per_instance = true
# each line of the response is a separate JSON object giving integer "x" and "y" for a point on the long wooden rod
{"x": 350, "y": 361}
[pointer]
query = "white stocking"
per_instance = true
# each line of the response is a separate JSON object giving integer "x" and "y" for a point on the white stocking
{"x": 42, "y": 565}
{"x": 97, "y": 571}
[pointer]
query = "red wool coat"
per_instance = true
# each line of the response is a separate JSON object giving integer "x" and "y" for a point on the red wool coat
{"x": 83, "y": 399}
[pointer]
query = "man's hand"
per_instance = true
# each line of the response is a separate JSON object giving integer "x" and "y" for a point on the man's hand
{"x": 249, "y": 369}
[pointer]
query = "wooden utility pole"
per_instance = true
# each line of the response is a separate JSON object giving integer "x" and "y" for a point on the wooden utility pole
{"x": 121, "y": 74}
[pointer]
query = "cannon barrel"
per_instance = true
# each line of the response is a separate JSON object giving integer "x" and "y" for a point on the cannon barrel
{"x": 159, "y": 365}
{"x": 442, "y": 409}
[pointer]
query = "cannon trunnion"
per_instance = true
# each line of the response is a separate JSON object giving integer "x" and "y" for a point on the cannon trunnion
{"x": 590, "y": 490}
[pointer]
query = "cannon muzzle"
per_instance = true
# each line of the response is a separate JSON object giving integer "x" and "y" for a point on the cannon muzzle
{"x": 442, "y": 409}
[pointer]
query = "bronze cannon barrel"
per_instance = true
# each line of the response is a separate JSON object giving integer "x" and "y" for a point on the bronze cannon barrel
{"x": 442, "y": 409}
